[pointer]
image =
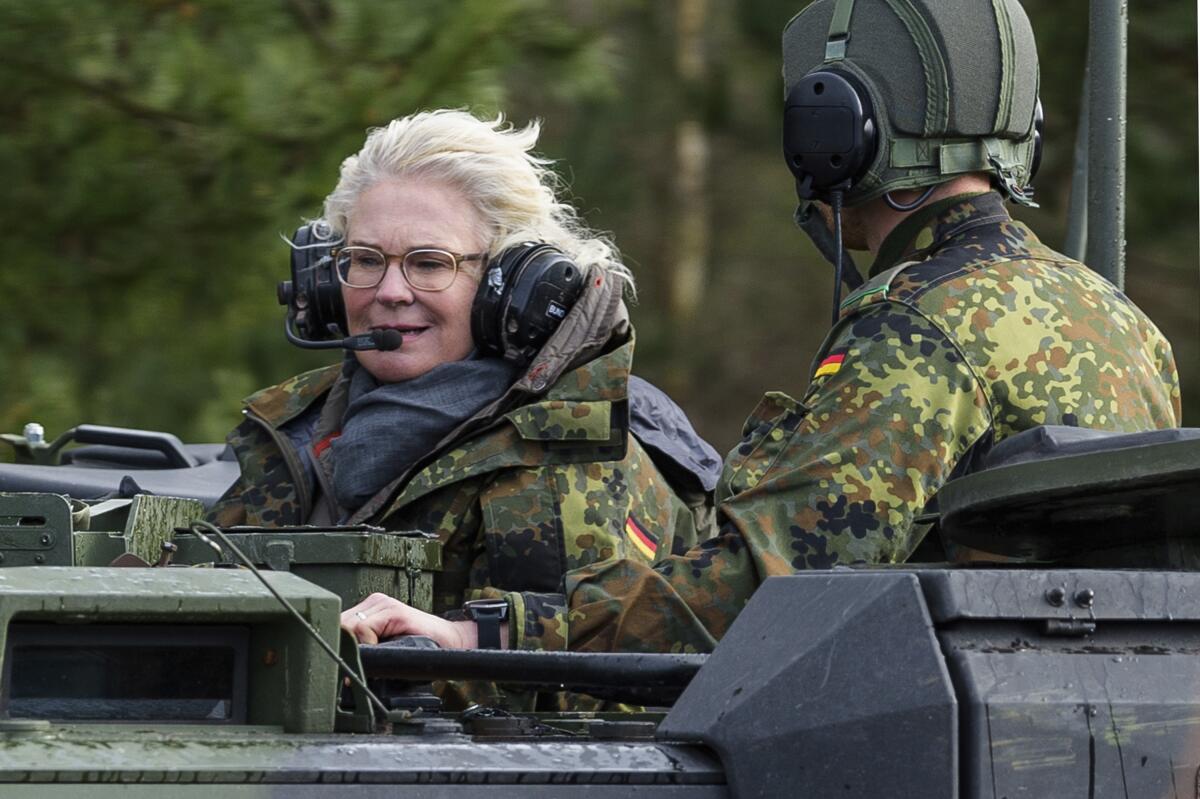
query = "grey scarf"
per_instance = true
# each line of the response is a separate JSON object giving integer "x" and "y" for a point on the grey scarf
{"x": 388, "y": 427}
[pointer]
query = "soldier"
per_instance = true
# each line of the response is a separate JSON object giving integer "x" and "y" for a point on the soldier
{"x": 921, "y": 118}
{"x": 526, "y": 446}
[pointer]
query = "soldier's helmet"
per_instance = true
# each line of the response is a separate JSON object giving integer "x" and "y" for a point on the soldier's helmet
{"x": 947, "y": 87}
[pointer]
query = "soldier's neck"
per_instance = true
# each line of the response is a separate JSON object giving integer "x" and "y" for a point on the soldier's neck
{"x": 878, "y": 219}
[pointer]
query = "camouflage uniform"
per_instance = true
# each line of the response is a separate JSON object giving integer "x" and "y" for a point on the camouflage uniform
{"x": 519, "y": 497}
{"x": 969, "y": 330}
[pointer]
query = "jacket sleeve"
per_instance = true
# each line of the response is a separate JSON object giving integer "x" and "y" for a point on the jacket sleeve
{"x": 537, "y": 620}
{"x": 892, "y": 408}
{"x": 541, "y": 524}
{"x": 230, "y": 509}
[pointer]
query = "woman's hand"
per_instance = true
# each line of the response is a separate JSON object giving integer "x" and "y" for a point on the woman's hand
{"x": 380, "y": 616}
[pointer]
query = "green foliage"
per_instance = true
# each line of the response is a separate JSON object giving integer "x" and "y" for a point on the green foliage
{"x": 154, "y": 150}
{"x": 766, "y": 309}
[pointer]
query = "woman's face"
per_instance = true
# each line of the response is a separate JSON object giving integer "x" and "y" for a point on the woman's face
{"x": 396, "y": 216}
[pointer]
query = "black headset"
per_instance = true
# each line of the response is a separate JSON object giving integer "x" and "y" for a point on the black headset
{"x": 830, "y": 137}
{"x": 525, "y": 293}
{"x": 829, "y": 133}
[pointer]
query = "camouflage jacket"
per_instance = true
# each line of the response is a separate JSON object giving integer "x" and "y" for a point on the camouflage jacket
{"x": 520, "y": 496}
{"x": 969, "y": 331}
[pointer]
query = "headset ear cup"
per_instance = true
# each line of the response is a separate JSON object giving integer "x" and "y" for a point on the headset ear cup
{"x": 491, "y": 296}
{"x": 330, "y": 306}
{"x": 523, "y": 297}
{"x": 314, "y": 294}
{"x": 829, "y": 132}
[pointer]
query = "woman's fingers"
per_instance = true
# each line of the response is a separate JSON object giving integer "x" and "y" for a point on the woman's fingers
{"x": 381, "y": 616}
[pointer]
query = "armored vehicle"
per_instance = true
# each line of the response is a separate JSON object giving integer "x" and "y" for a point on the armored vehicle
{"x": 220, "y": 664}
{"x": 144, "y": 653}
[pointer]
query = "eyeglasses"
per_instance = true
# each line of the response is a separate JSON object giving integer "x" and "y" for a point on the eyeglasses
{"x": 427, "y": 270}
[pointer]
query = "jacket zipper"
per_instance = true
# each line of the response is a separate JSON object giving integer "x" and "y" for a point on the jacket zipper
{"x": 291, "y": 459}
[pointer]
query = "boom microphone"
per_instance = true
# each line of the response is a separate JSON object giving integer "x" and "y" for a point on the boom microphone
{"x": 386, "y": 339}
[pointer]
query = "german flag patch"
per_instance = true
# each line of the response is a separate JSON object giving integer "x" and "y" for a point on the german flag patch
{"x": 830, "y": 365}
{"x": 642, "y": 541}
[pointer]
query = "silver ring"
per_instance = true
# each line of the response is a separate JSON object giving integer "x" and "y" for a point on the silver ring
{"x": 362, "y": 616}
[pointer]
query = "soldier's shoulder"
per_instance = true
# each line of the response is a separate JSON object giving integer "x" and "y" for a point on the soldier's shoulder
{"x": 285, "y": 400}
{"x": 1003, "y": 260}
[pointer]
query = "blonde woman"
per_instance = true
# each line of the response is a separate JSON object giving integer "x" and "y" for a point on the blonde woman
{"x": 527, "y": 462}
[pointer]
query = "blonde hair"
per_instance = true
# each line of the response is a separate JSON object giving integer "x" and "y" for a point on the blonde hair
{"x": 493, "y": 164}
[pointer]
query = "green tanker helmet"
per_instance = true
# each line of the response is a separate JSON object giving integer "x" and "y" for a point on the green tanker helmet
{"x": 949, "y": 89}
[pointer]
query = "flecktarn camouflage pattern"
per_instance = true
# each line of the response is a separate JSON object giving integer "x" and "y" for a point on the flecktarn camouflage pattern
{"x": 968, "y": 331}
{"x": 548, "y": 488}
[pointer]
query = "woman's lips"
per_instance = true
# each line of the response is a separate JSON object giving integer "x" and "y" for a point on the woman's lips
{"x": 408, "y": 332}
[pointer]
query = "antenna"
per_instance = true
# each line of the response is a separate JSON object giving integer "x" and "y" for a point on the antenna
{"x": 1107, "y": 75}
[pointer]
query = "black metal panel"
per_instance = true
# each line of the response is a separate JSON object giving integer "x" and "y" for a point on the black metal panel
{"x": 828, "y": 684}
{"x": 206, "y": 482}
{"x": 993, "y": 594}
{"x": 1135, "y": 506}
{"x": 1112, "y": 715}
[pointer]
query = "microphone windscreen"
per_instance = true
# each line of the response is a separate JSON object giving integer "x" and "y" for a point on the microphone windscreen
{"x": 387, "y": 339}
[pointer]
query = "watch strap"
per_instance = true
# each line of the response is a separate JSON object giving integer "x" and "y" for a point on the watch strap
{"x": 487, "y": 615}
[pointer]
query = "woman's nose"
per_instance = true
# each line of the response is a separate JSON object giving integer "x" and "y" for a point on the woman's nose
{"x": 394, "y": 288}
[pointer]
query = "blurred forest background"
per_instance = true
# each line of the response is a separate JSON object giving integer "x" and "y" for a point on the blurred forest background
{"x": 152, "y": 151}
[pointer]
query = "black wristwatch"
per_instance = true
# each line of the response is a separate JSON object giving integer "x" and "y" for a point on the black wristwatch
{"x": 487, "y": 615}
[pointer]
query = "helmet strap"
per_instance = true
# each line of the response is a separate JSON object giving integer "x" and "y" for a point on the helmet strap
{"x": 1003, "y": 159}
{"x": 839, "y": 32}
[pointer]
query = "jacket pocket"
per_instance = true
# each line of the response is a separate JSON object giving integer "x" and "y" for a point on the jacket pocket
{"x": 523, "y": 531}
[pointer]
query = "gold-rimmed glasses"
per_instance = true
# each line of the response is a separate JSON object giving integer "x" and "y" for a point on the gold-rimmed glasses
{"x": 426, "y": 270}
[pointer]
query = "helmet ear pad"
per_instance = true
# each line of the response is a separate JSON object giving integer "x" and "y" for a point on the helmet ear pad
{"x": 525, "y": 293}
{"x": 830, "y": 136}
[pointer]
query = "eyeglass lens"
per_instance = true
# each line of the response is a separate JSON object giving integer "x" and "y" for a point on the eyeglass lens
{"x": 363, "y": 267}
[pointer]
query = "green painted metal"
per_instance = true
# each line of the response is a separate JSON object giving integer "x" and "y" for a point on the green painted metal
{"x": 52, "y": 530}
{"x": 35, "y": 530}
{"x": 152, "y": 521}
{"x": 291, "y": 683}
{"x": 351, "y": 563}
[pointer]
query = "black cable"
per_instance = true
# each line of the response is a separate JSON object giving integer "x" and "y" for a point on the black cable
{"x": 835, "y": 198}
{"x": 814, "y": 225}
{"x": 905, "y": 207}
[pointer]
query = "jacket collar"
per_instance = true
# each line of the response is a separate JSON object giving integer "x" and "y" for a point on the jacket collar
{"x": 933, "y": 225}
{"x": 579, "y": 419}
{"x": 279, "y": 404}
